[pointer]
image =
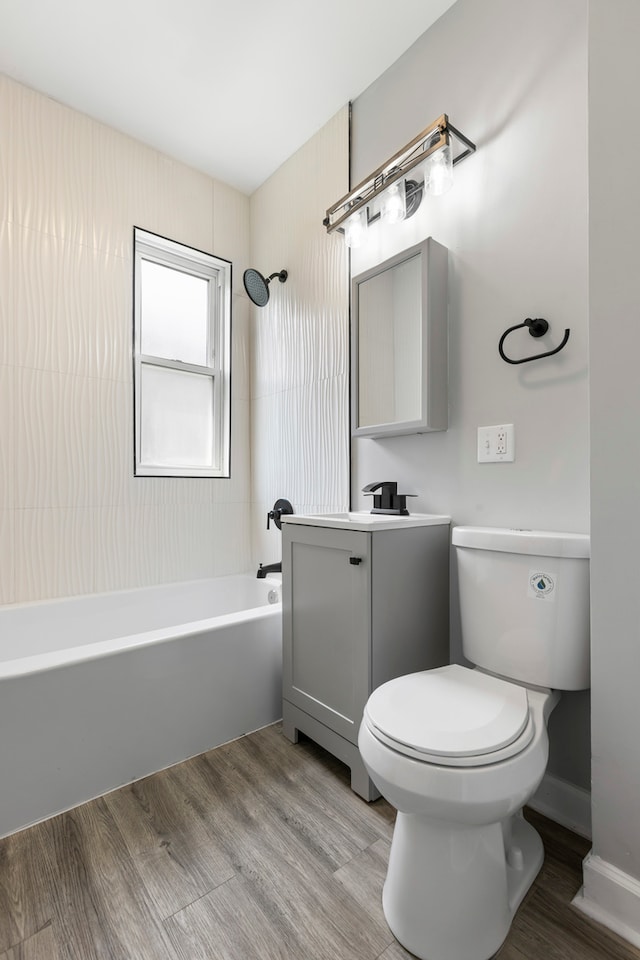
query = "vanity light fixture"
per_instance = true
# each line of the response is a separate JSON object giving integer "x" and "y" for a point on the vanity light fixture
{"x": 389, "y": 194}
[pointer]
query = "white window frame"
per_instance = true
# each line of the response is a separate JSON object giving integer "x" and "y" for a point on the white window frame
{"x": 150, "y": 246}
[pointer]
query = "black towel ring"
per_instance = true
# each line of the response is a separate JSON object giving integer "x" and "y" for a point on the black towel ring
{"x": 537, "y": 328}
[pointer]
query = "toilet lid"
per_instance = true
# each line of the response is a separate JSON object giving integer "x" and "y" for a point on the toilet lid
{"x": 449, "y": 712}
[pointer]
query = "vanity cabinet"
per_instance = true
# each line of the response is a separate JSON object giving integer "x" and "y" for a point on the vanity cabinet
{"x": 364, "y": 600}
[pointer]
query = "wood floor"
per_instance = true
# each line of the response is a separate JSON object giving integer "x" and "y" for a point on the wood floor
{"x": 255, "y": 851}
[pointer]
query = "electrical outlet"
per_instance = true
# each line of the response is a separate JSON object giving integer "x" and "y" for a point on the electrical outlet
{"x": 496, "y": 444}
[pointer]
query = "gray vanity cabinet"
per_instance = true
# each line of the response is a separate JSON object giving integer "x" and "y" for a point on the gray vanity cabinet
{"x": 362, "y": 603}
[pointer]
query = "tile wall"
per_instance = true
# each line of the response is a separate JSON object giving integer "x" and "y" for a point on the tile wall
{"x": 73, "y": 519}
{"x": 300, "y": 360}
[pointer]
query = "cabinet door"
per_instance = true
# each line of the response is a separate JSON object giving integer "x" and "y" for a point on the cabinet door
{"x": 327, "y": 624}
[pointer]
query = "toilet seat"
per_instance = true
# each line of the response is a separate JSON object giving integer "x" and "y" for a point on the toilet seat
{"x": 451, "y": 716}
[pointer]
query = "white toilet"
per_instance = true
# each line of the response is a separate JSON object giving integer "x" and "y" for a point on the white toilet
{"x": 459, "y": 751}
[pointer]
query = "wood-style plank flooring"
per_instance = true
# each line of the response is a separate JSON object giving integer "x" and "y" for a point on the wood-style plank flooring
{"x": 257, "y": 850}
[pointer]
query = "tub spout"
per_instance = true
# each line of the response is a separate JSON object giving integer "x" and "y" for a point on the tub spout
{"x": 268, "y": 568}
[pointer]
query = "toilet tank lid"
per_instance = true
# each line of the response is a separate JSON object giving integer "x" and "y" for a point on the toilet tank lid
{"x": 541, "y": 543}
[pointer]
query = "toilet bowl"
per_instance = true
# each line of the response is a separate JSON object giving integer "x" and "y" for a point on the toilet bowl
{"x": 459, "y": 751}
{"x": 462, "y": 857}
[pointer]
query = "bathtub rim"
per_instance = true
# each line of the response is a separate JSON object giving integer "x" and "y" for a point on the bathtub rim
{"x": 65, "y": 656}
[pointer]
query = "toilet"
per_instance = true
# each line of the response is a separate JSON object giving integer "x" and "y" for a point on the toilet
{"x": 458, "y": 751}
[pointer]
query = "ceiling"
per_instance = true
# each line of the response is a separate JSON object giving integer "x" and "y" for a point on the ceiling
{"x": 232, "y": 88}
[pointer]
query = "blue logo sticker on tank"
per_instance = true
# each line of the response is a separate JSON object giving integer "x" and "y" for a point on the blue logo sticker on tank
{"x": 541, "y": 585}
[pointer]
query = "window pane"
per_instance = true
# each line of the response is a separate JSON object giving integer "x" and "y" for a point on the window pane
{"x": 177, "y": 418}
{"x": 174, "y": 314}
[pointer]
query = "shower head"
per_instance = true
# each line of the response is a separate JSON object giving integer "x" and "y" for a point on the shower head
{"x": 257, "y": 286}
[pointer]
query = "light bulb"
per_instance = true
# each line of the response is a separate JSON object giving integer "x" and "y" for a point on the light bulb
{"x": 355, "y": 229}
{"x": 394, "y": 203}
{"x": 438, "y": 176}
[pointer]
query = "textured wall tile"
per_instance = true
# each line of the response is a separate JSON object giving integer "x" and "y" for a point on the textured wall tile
{"x": 185, "y": 205}
{"x": 54, "y": 553}
{"x": 306, "y": 508}
{"x": 157, "y": 491}
{"x": 52, "y": 304}
{"x": 7, "y": 562}
{"x": 7, "y": 291}
{"x": 300, "y": 446}
{"x": 169, "y": 492}
{"x": 110, "y": 318}
{"x": 268, "y": 465}
{"x": 237, "y": 489}
{"x": 315, "y": 444}
{"x": 126, "y": 548}
{"x": 231, "y": 231}
{"x": 50, "y": 170}
{"x": 277, "y": 346}
{"x": 302, "y": 333}
{"x": 127, "y": 182}
{"x": 6, "y": 92}
{"x": 232, "y": 544}
{"x": 55, "y": 440}
{"x": 72, "y": 191}
{"x": 188, "y": 491}
{"x": 187, "y": 541}
{"x": 299, "y": 361}
{"x": 298, "y": 341}
{"x": 240, "y": 348}
{"x": 7, "y": 438}
{"x": 111, "y": 423}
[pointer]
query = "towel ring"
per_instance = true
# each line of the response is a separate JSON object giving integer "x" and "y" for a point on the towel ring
{"x": 537, "y": 328}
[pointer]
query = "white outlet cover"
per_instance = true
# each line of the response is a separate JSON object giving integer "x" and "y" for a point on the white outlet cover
{"x": 496, "y": 444}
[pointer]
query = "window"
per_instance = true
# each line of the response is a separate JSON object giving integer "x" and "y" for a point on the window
{"x": 182, "y": 359}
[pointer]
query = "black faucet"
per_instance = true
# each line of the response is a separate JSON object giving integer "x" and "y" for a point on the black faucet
{"x": 389, "y": 500}
{"x": 281, "y": 508}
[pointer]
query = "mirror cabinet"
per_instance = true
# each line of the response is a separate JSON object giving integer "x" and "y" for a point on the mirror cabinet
{"x": 399, "y": 344}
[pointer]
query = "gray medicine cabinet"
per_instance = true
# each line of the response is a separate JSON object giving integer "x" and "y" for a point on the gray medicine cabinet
{"x": 399, "y": 344}
{"x": 365, "y": 599}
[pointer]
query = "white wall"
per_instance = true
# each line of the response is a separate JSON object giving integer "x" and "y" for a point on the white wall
{"x": 72, "y": 517}
{"x": 612, "y": 872}
{"x": 513, "y": 77}
{"x": 299, "y": 383}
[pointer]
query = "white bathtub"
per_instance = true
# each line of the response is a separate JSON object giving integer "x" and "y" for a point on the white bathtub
{"x": 98, "y": 691}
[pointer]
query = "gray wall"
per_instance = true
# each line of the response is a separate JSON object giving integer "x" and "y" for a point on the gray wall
{"x": 513, "y": 77}
{"x": 614, "y": 198}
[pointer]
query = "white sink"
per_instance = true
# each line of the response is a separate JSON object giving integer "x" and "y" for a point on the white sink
{"x": 361, "y": 520}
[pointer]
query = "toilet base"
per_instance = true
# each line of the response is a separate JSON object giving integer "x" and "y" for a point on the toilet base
{"x": 451, "y": 890}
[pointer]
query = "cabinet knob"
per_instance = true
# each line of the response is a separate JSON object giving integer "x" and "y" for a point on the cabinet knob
{"x": 355, "y": 560}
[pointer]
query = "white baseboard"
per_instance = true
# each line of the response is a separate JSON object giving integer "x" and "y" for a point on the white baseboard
{"x": 611, "y": 897}
{"x": 564, "y": 803}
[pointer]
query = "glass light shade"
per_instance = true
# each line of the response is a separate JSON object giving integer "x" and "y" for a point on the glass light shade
{"x": 438, "y": 171}
{"x": 355, "y": 229}
{"x": 393, "y": 207}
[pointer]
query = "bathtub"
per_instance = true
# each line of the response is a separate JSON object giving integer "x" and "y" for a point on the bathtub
{"x": 101, "y": 690}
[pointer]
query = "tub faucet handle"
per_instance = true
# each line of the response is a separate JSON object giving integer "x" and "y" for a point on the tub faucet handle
{"x": 280, "y": 508}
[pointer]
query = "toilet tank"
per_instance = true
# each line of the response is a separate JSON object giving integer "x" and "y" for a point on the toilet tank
{"x": 524, "y": 604}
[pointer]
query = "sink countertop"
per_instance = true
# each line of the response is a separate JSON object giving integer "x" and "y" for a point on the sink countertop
{"x": 361, "y": 520}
